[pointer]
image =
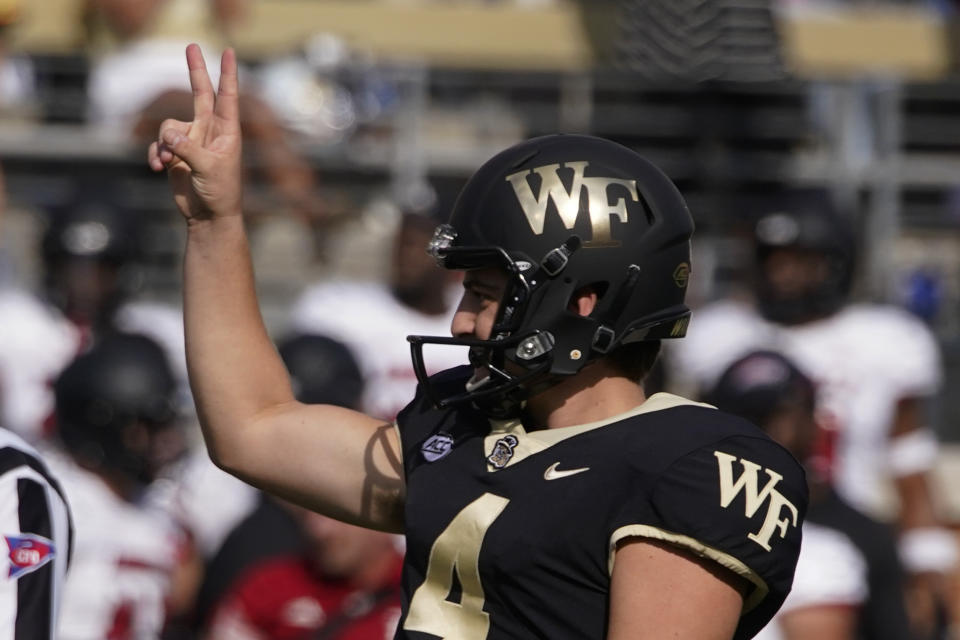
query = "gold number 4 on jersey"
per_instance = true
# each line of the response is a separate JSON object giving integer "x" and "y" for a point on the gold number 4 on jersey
{"x": 456, "y": 549}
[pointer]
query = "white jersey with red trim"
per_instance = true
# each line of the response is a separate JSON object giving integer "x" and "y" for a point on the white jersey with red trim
{"x": 831, "y": 572}
{"x": 863, "y": 359}
{"x": 375, "y": 325}
{"x": 37, "y": 342}
{"x": 123, "y": 560}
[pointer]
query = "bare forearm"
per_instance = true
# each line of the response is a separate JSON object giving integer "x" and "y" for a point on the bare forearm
{"x": 235, "y": 372}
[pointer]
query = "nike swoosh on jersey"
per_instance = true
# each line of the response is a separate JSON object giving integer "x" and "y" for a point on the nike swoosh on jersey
{"x": 552, "y": 473}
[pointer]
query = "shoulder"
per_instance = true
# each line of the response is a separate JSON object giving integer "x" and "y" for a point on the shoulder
{"x": 879, "y": 322}
{"x": 723, "y": 490}
{"x": 16, "y": 453}
{"x": 896, "y": 340}
{"x": 422, "y": 424}
{"x": 673, "y": 429}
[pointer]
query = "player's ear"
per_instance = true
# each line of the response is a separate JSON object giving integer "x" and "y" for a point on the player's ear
{"x": 584, "y": 301}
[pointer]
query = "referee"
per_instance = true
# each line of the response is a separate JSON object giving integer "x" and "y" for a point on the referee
{"x": 37, "y": 533}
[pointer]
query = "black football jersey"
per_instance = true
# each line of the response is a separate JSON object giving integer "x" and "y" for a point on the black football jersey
{"x": 513, "y": 534}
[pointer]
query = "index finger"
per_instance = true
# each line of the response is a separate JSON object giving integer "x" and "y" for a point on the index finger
{"x": 200, "y": 84}
{"x": 228, "y": 101}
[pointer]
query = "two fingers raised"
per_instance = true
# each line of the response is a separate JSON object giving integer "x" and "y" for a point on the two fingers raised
{"x": 213, "y": 114}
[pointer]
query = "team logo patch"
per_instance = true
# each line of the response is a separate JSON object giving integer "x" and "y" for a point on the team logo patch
{"x": 436, "y": 447}
{"x": 503, "y": 451}
{"x": 28, "y": 553}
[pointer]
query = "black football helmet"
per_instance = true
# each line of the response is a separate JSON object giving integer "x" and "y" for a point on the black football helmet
{"x": 91, "y": 253}
{"x": 121, "y": 384}
{"x": 322, "y": 370}
{"x": 807, "y": 221}
{"x": 560, "y": 213}
{"x": 760, "y": 383}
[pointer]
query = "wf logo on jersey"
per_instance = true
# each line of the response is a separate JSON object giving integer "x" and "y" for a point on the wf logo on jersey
{"x": 28, "y": 553}
{"x": 568, "y": 202}
{"x": 748, "y": 483}
{"x": 503, "y": 451}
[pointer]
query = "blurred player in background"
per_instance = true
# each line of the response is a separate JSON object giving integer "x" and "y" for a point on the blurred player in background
{"x": 416, "y": 299}
{"x": 322, "y": 370}
{"x": 344, "y": 585}
{"x": 849, "y": 583}
{"x": 876, "y": 369}
{"x": 343, "y": 581}
{"x": 91, "y": 252}
{"x": 115, "y": 413}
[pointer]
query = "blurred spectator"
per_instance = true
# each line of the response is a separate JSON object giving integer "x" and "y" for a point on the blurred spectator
{"x": 115, "y": 413}
{"x": 323, "y": 371}
{"x": 848, "y": 582}
{"x": 17, "y": 77}
{"x": 91, "y": 250}
{"x": 36, "y": 525}
{"x": 128, "y": 37}
{"x": 416, "y": 300}
{"x": 876, "y": 368}
{"x": 345, "y": 586}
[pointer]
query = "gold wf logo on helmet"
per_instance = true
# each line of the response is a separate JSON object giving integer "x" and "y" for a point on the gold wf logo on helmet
{"x": 568, "y": 202}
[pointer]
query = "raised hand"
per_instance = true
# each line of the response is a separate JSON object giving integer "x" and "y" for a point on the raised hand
{"x": 203, "y": 157}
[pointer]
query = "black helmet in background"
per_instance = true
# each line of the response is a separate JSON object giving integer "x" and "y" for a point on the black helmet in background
{"x": 90, "y": 254}
{"x": 112, "y": 402}
{"x": 802, "y": 232}
{"x": 560, "y": 213}
{"x": 322, "y": 370}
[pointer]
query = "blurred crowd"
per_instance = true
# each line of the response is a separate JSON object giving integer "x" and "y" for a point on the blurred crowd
{"x": 93, "y": 373}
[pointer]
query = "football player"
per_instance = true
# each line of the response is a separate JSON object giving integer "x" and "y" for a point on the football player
{"x": 876, "y": 368}
{"x": 115, "y": 411}
{"x": 849, "y": 582}
{"x": 541, "y": 493}
{"x": 417, "y": 300}
{"x": 91, "y": 253}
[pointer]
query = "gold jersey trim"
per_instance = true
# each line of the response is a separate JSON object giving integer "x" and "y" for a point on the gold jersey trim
{"x": 537, "y": 441}
{"x": 760, "y": 588}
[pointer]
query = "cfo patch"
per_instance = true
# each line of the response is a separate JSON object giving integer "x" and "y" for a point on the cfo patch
{"x": 28, "y": 552}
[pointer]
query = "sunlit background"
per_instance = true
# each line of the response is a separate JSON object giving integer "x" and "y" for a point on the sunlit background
{"x": 360, "y": 109}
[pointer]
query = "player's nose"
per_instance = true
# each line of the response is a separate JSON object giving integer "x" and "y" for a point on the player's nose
{"x": 464, "y": 323}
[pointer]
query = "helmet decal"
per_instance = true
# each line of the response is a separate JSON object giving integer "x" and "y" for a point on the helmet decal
{"x": 567, "y": 203}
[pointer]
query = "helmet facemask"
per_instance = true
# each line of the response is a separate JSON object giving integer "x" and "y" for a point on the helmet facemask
{"x": 515, "y": 360}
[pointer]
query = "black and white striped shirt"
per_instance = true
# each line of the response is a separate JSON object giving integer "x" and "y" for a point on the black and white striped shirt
{"x": 37, "y": 532}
